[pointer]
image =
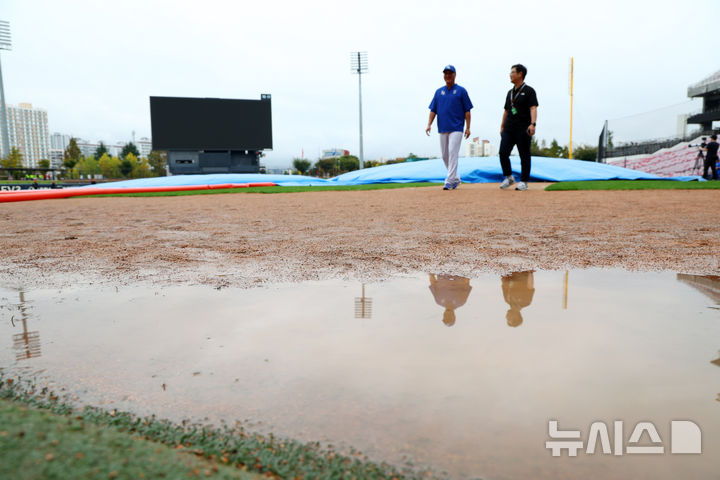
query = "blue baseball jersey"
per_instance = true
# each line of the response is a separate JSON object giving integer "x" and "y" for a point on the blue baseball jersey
{"x": 450, "y": 107}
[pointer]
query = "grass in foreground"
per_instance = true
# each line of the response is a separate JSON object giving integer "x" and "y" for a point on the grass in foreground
{"x": 319, "y": 188}
{"x": 42, "y": 437}
{"x": 36, "y": 443}
{"x": 633, "y": 185}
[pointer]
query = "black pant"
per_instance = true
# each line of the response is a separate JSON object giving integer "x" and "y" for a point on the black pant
{"x": 710, "y": 163}
{"x": 510, "y": 138}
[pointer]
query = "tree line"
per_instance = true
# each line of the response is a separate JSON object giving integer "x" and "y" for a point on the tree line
{"x": 337, "y": 165}
{"x": 555, "y": 150}
{"x": 348, "y": 163}
{"x": 129, "y": 164}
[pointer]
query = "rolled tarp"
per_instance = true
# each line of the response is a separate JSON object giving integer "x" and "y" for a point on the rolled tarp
{"x": 27, "y": 195}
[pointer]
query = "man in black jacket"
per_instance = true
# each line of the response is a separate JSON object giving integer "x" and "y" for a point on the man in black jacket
{"x": 711, "y": 157}
{"x": 518, "y": 127}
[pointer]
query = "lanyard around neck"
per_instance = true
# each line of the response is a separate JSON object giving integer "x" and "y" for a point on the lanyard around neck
{"x": 513, "y": 98}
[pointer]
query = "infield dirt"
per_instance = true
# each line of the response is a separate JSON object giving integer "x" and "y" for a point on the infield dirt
{"x": 244, "y": 239}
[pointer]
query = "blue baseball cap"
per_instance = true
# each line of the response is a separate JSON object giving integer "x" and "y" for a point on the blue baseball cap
{"x": 449, "y": 67}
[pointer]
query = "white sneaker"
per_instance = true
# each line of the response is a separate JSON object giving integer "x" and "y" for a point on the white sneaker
{"x": 509, "y": 180}
{"x": 521, "y": 186}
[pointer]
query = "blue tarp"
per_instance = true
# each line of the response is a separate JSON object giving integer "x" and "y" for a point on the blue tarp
{"x": 216, "y": 178}
{"x": 471, "y": 170}
{"x": 487, "y": 170}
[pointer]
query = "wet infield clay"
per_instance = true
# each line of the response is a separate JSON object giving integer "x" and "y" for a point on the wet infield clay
{"x": 248, "y": 239}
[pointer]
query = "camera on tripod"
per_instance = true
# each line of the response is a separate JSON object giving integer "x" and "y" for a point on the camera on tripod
{"x": 701, "y": 145}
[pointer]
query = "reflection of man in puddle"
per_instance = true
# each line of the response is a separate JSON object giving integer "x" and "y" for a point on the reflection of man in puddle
{"x": 518, "y": 289}
{"x": 450, "y": 292}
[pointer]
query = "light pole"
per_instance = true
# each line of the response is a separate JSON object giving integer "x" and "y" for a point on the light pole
{"x": 4, "y": 45}
{"x": 359, "y": 65}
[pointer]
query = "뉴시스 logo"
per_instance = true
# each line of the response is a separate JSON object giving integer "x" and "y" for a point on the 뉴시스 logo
{"x": 685, "y": 438}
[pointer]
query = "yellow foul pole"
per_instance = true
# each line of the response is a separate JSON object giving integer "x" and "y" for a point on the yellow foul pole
{"x": 571, "y": 107}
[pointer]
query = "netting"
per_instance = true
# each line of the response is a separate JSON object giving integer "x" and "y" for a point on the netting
{"x": 660, "y": 141}
{"x": 662, "y": 123}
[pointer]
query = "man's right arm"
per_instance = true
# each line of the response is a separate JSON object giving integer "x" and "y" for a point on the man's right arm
{"x": 502, "y": 124}
{"x": 430, "y": 121}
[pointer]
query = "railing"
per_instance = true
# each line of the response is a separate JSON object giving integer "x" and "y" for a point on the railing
{"x": 650, "y": 146}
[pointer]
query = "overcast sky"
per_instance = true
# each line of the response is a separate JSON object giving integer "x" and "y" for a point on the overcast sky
{"x": 93, "y": 64}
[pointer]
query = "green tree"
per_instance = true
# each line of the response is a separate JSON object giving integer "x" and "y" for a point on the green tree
{"x": 88, "y": 167}
{"x": 100, "y": 151}
{"x": 44, "y": 163}
{"x": 411, "y": 156}
{"x": 158, "y": 163}
{"x": 109, "y": 166}
{"x": 555, "y": 150}
{"x": 348, "y": 163}
{"x": 129, "y": 148}
{"x": 395, "y": 160}
{"x": 585, "y": 152}
{"x": 541, "y": 149}
{"x": 141, "y": 169}
{"x": 13, "y": 160}
{"x": 72, "y": 154}
{"x": 302, "y": 165}
{"x": 326, "y": 165}
{"x": 535, "y": 150}
{"x": 127, "y": 165}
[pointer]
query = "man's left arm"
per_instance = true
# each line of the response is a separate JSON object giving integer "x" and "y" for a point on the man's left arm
{"x": 467, "y": 106}
{"x": 533, "y": 120}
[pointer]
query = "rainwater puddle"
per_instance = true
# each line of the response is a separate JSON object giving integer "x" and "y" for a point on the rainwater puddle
{"x": 462, "y": 375}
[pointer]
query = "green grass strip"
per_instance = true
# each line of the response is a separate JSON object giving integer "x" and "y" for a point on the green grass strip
{"x": 279, "y": 189}
{"x": 36, "y": 443}
{"x": 43, "y": 437}
{"x": 633, "y": 185}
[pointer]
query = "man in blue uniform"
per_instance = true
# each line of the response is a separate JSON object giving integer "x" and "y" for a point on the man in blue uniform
{"x": 451, "y": 104}
{"x": 517, "y": 127}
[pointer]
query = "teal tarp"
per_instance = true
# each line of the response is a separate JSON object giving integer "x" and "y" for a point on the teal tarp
{"x": 471, "y": 170}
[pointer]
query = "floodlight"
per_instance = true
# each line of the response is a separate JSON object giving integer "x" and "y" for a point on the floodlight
{"x": 358, "y": 66}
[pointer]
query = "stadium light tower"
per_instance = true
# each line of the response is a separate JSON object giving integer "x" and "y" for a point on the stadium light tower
{"x": 4, "y": 45}
{"x": 359, "y": 65}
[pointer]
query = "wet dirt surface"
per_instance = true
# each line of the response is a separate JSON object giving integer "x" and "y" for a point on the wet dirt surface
{"x": 458, "y": 374}
{"x": 249, "y": 239}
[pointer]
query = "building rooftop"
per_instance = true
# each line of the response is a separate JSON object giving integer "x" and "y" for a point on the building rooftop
{"x": 708, "y": 85}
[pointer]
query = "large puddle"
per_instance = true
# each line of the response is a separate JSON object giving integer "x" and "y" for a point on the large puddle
{"x": 462, "y": 375}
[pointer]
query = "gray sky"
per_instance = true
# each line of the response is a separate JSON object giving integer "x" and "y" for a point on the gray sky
{"x": 93, "y": 64}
